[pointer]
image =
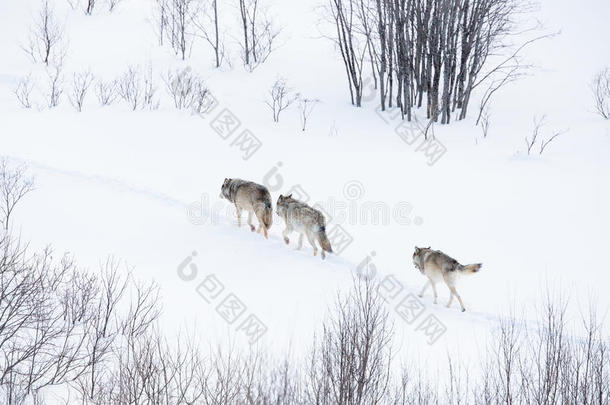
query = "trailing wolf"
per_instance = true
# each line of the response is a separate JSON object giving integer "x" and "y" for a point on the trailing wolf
{"x": 307, "y": 221}
{"x": 252, "y": 197}
{"x": 436, "y": 265}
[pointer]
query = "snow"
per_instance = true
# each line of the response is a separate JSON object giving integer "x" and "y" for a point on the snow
{"x": 110, "y": 181}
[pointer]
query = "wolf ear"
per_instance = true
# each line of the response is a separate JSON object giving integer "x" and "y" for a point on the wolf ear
{"x": 289, "y": 195}
{"x": 416, "y": 249}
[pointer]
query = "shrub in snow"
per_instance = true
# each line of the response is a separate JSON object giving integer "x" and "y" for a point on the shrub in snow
{"x": 106, "y": 92}
{"x": 280, "y": 98}
{"x": 138, "y": 89}
{"x": 306, "y": 106}
{"x": 188, "y": 90}
{"x": 80, "y": 87}
{"x": 23, "y": 91}
{"x": 112, "y": 4}
{"x": 601, "y": 93}
{"x": 55, "y": 82}
{"x": 129, "y": 87}
{"x": 533, "y": 140}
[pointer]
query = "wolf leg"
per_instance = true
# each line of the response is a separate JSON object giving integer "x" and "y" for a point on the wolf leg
{"x": 322, "y": 253}
{"x": 435, "y": 293}
{"x": 450, "y": 300}
{"x": 423, "y": 290}
{"x": 313, "y": 244}
{"x": 454, "y": 292}
{"x": 252, "y": 228}
{"x": 261, "y": 224}
{"x": 285, "y": 235}
{"x": 300, "y": 242}
{"x": 238, "y": 215}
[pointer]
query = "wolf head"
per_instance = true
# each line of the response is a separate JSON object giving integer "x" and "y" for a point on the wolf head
{"x": 418, "y": 256}
{"x": 282, "y": 203}
{"x": 225, "y": 189}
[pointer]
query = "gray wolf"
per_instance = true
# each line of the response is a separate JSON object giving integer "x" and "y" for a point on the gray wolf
{"x": 306, "y": 220}
{"x": 252, "y": 197}
{"x": 436, "y": 265}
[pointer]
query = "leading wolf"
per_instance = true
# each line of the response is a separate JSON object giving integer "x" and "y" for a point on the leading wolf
{"x": 436, "y": 265}
{"x": 306, "y": 220}
{"x": 252, "y": 197}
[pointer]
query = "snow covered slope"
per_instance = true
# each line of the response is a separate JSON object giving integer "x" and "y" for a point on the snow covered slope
{"x": 143, "y": 186}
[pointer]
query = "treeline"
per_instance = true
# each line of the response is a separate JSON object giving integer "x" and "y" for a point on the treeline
{"x": 430, "y": 53}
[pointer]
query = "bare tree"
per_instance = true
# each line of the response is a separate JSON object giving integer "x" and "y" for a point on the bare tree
{"x": 106, "y": 91}
{"x": 206, "y": 23}
{"x": 55, "y": 82}
{"x": 149, "y": 91}
{"x": 23, "y": 91}
{"x": 74, "y": 4}
{"x": 259, "y": 33}
{"x": 306, "y": 106}
{"x": 138, "y": 88}
{"x": 14, "y": 185}
{"x": 513, "y": 74}
{"x": 89, "y": 6}
{"x": 432, "y": 52}
{"x": 280, "y": 98}
{"x": 485, "y": 122}
{"x": 175, "y": 21}
{"x": 243, "y": 11}
{"x": 601, "y": 92}
{"x": 350, "y": 364}
{"x": 162, "y": 16}
{"x": 538, "y": 124}
{"x": 352, "y": 45}
{"x": 80, "y": 87}
{"x": 544, "y": 143}
{"x": 46, "y": 40}
{"x": 112, "y": 4}
{"x": 182, "y": 13}
{"x": 129, "y": 87}
{"x": 188, "y": 90}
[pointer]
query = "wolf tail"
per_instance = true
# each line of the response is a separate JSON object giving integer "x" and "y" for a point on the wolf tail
{"x": 267, "y": 216}
{"x": 471, "y": 268}
{"x": 324, "y": 242}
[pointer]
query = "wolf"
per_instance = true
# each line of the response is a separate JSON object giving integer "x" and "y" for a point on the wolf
{"x": 435, "y": 265}
{"x": 251, "y": 197}
{"x": 307, "y": 221}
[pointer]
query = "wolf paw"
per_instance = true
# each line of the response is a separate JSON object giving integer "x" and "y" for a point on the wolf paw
{"x": 463, "y": 309}
{"x": 252, "y": 228}
{"x": 287, "y": 241}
